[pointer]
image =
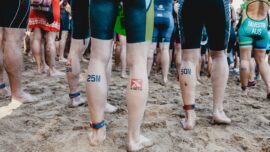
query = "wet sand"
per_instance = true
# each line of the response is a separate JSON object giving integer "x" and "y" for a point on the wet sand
{"x": 50, "y": 126}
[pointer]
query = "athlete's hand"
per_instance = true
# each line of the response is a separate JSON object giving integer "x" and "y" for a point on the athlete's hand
{"x": 176, "y": 7}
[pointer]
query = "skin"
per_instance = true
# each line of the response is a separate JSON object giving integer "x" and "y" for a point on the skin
{"x": 5, "y": 91}
{"x": 49, "y": 52}
{"x": 245, "y": 71}
{"x": 123, "y": 55}
{"x": 258, "y": 11}
{"x": 269, "y": 59}
{"x": 188, "y": 85}
{"x": 178, "y": 55}
{"x": 136, "y": 99}
{"x": 77, "y": 49}
{"x": 11, "y": 44}
{"x": 62, "y": 46}
{"x": 164, "y": 59}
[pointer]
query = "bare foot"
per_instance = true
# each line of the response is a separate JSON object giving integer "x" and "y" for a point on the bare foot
{"x": 55, "y": 73}
{"x": 124, "y": 75}
{"x": 24, "y": 98}
{"x": 244, "y": 93}
{"x": 97, "y": 136}
{"x": 190, "y": 121}
{"x": 110, "y": 108}
{"x": 138, "y": 145}
{"x": 76, "y": 102}
{"x": 221, "y": 118}
{"x": 165, "y": 81}
{"x": 5, "y": 92}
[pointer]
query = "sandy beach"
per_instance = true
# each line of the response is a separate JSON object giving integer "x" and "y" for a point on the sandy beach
{"x": 50, "y": 126}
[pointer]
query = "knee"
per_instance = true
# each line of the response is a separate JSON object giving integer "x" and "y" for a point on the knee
{"x": 218, "y": 54}
{"x": 259, "y": 59}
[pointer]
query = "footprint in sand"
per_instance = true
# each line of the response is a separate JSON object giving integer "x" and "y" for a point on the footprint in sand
{"x": 35, "y": 91}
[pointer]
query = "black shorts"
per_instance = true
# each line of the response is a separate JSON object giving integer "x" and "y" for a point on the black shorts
{"x": 213, "y": 14}
{"x": 139, "y": 16}
{"x": 81, "y": 19}
{"x": 14, "y": 13}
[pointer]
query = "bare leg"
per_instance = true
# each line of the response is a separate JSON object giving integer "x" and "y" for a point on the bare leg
{"x": 165, "y": 60}
{"x": 117, "y": 54}
{"x": 198, "y": 68}
{"x": 37, "y": 50}
{"x": 178, "y": 60}
{"x": 137, "y": 93}
{"x": 73, "y": 68}
{"x": 50, "y": 54}
{"x": 209, "y": 65}
{"x": 220, "y": 73}
{"x": 263, "y": 67}
{"x": 123, "y": 42}
{"x": 252, "y": 66}
{"x": 150, "y": 58}
{"x": 188, "y": 84}
{"x": 244, "y": 67}
{"x": 12, "y": 45}
{"x": 269, "y": 59}
{"x": 62, "y": 46}
{"x": 97, "y": 86}
{"x": 3, "y": 91}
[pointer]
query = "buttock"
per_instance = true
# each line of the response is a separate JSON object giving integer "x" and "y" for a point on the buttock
{"x": 213, "y": 14}
{"x": 138, "y": 15}
{"x": 14, "y": 13}
{"x": 163, "y": 29}
{"x": 253, "y": 33}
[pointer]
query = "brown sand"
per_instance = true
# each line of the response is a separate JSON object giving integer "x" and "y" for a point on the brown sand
{"x": 49, "y": 126}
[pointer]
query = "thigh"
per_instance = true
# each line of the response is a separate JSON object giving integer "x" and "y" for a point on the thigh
{"x": 50, "y": 38}
{"x": 217, "y": 21}
{"x": 80, "y": 15}
{"x": 103, "y": 15}
{"x": 191, "y": 25}
{"x": 140, "y": 20}
{"x": 245, "y": 52}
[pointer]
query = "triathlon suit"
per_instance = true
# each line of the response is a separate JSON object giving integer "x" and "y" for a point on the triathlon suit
{"x": 268, "y": 46}
{"x": 253, "y": 32}
{"x": 65, "y": 22}
{"x": 14, "y": 13}
{"x": 163, "y": 22}
{"x": 138, "y": 15}
{"x": 46, "y": 20}
{"x": 81, "y": 19}
{"x": 213, "y": 14}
